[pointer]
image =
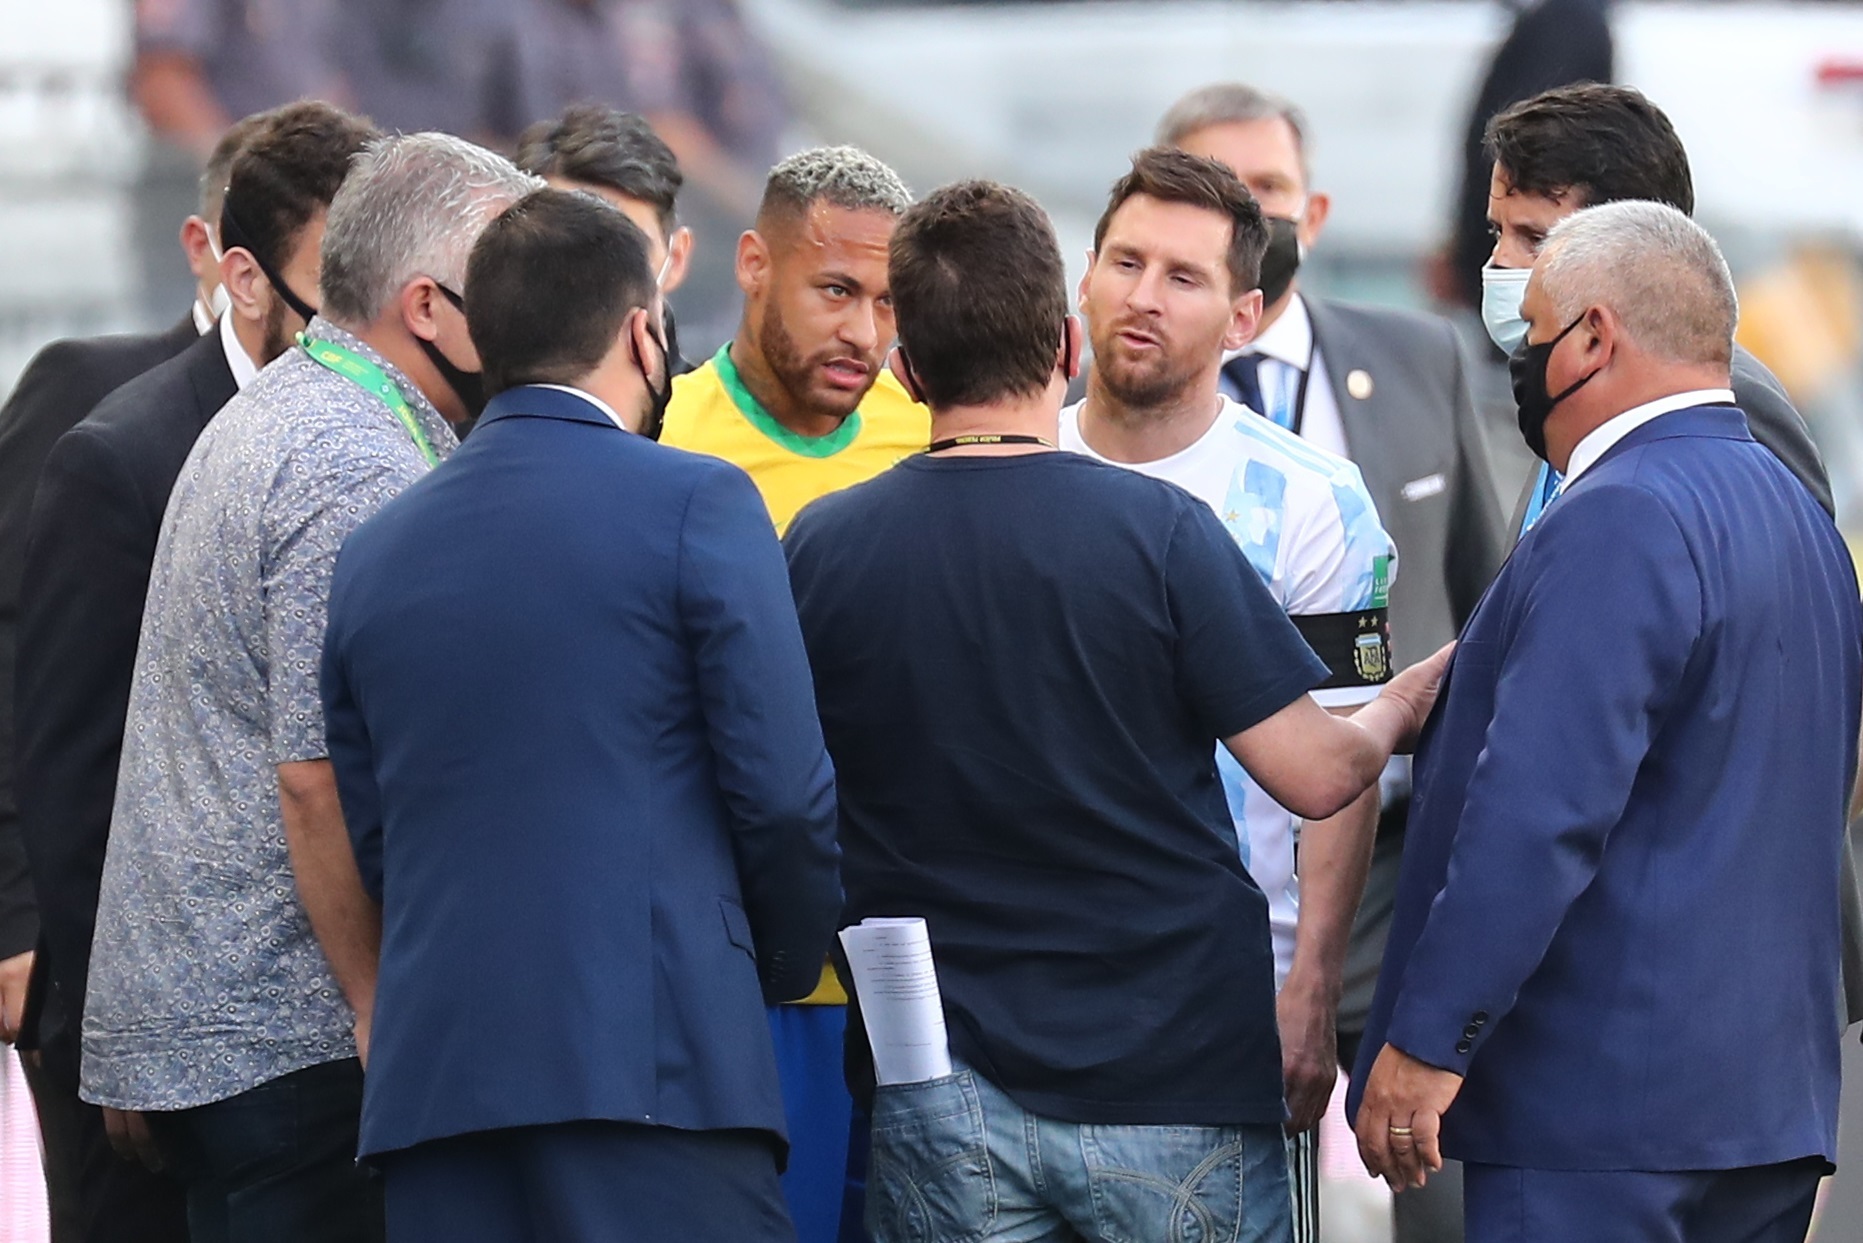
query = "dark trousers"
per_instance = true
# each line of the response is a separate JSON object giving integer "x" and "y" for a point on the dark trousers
{"x": 95, "y": 1196}
{"x": 588, "y": 1182}
{"x": 276, "y": 1164}
{"x": 1761, "y": 1204}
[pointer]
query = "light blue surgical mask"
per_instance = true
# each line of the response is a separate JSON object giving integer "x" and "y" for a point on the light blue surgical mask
{"x": 1501, "y": 292}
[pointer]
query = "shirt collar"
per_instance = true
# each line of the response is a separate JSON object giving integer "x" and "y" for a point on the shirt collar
{"x": 237, "y": 360}
{"x": 589, "y": 397}
{"x": 1289, "y": 339}
{"x": 1601, "y": 438}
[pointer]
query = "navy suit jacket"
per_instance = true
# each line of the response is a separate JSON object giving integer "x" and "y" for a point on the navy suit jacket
{"x": 574, "y": 731}
{"x": 1617, "y": 914}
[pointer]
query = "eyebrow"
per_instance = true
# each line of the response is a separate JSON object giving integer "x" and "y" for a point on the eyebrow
{"x": 840, "y": 278}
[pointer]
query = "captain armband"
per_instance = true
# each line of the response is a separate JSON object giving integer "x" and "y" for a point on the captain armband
{"x": 1356, "y": 646}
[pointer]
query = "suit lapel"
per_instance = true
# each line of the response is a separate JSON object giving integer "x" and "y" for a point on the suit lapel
{"x": 1359, "y": 416}
{"x": 212, "y": 378}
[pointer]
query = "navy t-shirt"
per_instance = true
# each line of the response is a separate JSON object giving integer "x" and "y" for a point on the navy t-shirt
{"x": 1022, "y": 664}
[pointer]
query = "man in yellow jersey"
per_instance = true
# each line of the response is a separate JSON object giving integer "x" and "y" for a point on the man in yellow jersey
{"x": 801, "y": 399}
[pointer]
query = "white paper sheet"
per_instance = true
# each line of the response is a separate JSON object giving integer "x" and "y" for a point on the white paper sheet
{"x": 897, "y": 985}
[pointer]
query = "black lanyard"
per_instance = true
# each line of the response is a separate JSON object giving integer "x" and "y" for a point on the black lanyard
{"x": 987, "y": 438}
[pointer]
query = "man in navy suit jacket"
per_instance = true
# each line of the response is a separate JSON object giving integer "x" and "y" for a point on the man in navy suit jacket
{"x": 575, "y": 737}
{"x": 1612, "y": 987}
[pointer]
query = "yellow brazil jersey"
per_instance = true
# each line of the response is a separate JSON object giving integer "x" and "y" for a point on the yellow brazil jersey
{"x": 712, "y": 412}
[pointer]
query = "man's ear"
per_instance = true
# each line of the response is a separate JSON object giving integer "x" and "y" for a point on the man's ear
{"x": 679, "y": 250}
{"x": 1073, "y": 336}
{"x": 247, "y": 289}
{"x": 1244, "y": 320}
{"x": 418, "y": 303}
{"x": 753, "y": 263}
{"x": 1086, "y": 277}
{"x": 197, "y": 245}
{"x": 902, "y": 371}
{"x": 1319, "y": 207}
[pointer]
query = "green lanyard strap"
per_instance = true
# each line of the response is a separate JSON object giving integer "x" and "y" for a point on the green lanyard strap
{"x": 371, "y": 379}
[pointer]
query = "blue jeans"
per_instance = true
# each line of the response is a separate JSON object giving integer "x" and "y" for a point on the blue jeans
{"x": 955, "y": 1160}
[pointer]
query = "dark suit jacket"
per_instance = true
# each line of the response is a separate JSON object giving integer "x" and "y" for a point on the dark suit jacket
{"x": 1775, "y": 422}
{"x": 580, "y": 762}
{"x": 61, "y": 385}
{"x": 94, "y": 527}
{"x": 1616, "y": 914}
{"x": 1415, "y": 437}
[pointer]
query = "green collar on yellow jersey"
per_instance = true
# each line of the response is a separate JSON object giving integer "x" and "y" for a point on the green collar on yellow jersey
{"x": 761, "y": 419}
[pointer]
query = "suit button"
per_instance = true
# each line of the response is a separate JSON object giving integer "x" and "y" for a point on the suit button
{"x": 1470, "y": 1032}
{"x": 1463, "y": 1046}
{"x": 1481, "y": 1016}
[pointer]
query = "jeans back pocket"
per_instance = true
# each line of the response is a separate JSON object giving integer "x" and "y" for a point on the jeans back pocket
{"x": 929, "y": 1177}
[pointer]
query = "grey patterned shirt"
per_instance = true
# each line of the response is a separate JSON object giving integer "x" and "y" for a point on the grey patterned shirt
{"x": 206, "y": 980}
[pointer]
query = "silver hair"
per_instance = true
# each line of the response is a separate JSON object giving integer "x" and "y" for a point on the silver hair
{"x": 1232, "y": 103}
{"x": 413, "y": 206}
{"x": 1659, "y": 271}
{"x": 844, "y": 176}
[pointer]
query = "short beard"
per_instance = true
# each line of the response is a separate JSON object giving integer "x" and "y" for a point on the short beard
{"x": 273, "y": 341}
{"x": 1151, "y": 391}
{"x": 791, "y": 371}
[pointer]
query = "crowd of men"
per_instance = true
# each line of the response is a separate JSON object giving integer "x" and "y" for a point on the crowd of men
{"x": 450, "y": 726}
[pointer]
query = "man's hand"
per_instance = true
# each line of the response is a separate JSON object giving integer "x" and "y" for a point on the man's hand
{"x": 1400, "y": 1117}
{"x": 1309, "y": 1053}
{"x": 14, "y": 974}
{"x": 129, "y": 1135}
{"x": 1415, "y": 691}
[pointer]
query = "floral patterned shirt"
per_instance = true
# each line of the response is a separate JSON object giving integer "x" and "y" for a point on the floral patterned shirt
{"x": 206, "y": 980}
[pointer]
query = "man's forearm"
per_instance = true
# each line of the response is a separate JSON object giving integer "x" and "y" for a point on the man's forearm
{"x": 1335, "y": 858}
{"x": 347, "y": 921}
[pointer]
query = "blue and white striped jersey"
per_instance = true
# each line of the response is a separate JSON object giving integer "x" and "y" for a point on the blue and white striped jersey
{"x": 1309, "y": 527}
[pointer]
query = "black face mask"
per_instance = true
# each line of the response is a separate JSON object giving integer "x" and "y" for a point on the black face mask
{"x": 468, "y": 386}
{"x": 659, "y": 395}
{"x": 232, "y": 233}
{"x": 1526, "y": 368}
{"x": 1281, "y": 260}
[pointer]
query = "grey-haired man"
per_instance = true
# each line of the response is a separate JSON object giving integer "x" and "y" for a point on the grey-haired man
{"x": 234, "y": 964}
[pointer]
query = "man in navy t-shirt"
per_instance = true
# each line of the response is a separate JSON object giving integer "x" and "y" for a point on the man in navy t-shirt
{"x": 1022, "y": 658}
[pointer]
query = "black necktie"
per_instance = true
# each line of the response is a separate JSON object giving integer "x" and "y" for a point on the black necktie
{"x": 1243, "y": 372}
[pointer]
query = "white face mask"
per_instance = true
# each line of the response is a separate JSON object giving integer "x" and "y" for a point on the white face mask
{"x": 221, "y": 301}
{"x": 1501, "y": 292}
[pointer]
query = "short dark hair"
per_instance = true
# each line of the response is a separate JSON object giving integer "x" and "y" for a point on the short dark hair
{"x": 232, "y": 141}
{"x": 979, "y": 293}
{"x": 1173, "y": 176}
{"x": 288, "y": 171}
{"x": 1604, "y": 143}
{"x": 606, "y": 147}
{"x": 548, "y": 286}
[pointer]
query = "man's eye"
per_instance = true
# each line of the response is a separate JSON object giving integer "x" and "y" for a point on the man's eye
{"x": 1126, "y": 265}
{"x": 1494, "y": 231}
{"x": 836, "y": 291}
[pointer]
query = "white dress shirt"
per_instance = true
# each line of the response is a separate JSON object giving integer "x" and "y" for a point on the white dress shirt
{"x": 1288, "y": 347}
{"x": 237, "y": 360}
{"x": 1600, "y": 439}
